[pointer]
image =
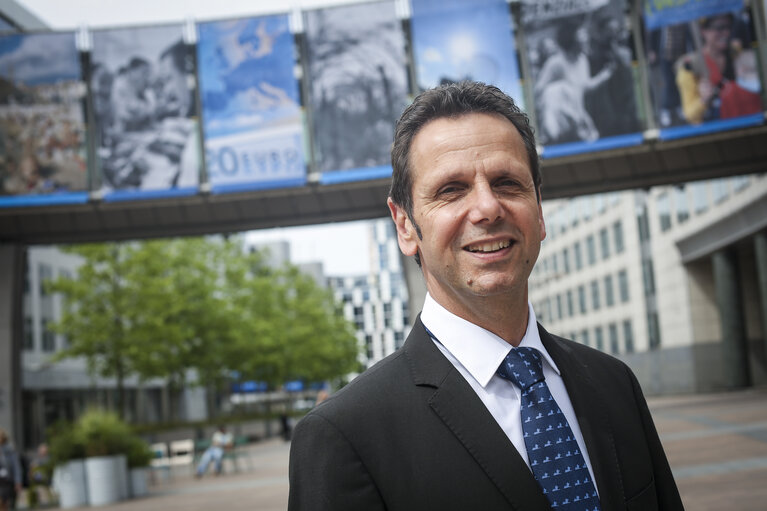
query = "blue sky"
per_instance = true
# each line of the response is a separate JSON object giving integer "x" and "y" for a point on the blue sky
{"x": 36, "y": 59}
{"x": 465, "y": 38}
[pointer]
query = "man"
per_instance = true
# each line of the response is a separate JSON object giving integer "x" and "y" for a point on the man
{"x": 444, "y": 423}
{"x": 221, "y": 441}
{"x": 10, "y": 473}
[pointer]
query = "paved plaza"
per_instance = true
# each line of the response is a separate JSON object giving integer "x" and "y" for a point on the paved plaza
{"x": 717, "y": 445}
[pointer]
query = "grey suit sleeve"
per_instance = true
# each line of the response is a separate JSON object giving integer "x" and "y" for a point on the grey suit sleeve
{"x": 326, "y": 473}
{"x": 666, "y": 491}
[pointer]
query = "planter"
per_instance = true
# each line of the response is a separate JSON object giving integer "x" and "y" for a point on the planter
{"x": 69, "y": 481}
{"x": 123, "y": 476}
{"x": 103, "y": 475}
{"x": 139, "y": 485}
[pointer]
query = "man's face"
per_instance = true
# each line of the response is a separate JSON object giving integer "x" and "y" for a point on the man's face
{"x": 173, "y": 96}
{"x": 475, "y": 203}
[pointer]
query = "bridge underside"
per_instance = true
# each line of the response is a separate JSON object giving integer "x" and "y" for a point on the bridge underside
{"x": 655, "y": 163}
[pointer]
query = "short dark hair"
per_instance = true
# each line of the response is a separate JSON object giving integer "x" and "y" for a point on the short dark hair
{"x": 452, "y": 100}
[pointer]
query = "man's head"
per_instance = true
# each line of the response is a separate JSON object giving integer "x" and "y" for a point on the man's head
{"x": 465, "y": 194}
{"x": 451, "y": 101}
{"x": 174, "y": 95}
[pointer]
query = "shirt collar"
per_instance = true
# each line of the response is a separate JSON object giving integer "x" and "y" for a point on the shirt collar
{"x": 478, "y": 350}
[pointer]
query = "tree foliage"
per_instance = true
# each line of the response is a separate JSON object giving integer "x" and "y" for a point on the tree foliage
{"x": 158, "y": 309}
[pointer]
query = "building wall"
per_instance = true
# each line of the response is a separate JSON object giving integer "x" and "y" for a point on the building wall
{"x": 688, "y": 353}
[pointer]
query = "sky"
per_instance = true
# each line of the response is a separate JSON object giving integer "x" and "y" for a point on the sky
{"x": 341, "y": 247}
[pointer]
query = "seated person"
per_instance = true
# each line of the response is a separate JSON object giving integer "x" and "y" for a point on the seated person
{"x": 221, "y": 441}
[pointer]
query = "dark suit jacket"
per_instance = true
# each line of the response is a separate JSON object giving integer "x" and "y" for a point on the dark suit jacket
{"x": 411, "y": 433}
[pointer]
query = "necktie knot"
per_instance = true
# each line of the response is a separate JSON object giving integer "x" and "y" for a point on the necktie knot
{"x": 523, "y": 367}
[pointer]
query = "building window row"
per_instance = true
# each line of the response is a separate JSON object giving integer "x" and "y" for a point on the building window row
{"x": 602, "y": 293}
{"x": 615, "y": 338}
{"x": 573, "y": 257}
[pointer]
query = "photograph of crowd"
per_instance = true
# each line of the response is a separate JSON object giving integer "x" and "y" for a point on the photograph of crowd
{"x": 579, "y": 55}
{"x": 42, "y": 124}
{"x": 143, "y": 104}
{"x": 704, "y": 69}
{"x": 456, "y": 40}
{"x": 250, "y": 101}
{"x": 357, "y": 81}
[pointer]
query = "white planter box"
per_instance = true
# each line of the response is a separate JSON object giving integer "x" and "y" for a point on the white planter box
{"x": 103, "y": 475}
{"x": 70, "y": 483}
{"x": 139, "y": 482}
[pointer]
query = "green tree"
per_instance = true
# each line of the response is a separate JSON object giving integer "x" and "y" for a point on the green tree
{"x": 157, "y": 309}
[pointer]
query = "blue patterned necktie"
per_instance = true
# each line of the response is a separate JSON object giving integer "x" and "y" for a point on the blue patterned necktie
{"x": 555, "y": 458}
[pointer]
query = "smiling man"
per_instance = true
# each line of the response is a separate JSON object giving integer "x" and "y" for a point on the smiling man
{"x": 481, "y": 408}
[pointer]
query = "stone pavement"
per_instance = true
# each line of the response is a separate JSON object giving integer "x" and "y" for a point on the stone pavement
{"x": 716, "y": 443}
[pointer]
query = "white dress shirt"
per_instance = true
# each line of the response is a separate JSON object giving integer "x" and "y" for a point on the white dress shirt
{"x": 477, "y": 353}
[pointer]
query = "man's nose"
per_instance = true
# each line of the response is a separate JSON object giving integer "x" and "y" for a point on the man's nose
{"x": 485, "y": 205}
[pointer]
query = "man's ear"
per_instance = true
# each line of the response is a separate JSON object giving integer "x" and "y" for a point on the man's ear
{"x": 541, "y": 222}
{"x": 406, "y": 234}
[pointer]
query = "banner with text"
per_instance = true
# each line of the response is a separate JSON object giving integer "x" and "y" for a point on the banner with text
{"x": 250, "y": 104}
{"x": 42, "y": 121}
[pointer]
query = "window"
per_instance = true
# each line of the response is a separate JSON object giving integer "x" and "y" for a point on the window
{"x": 664, "y": 212}
{"x": 45, "y": 273}
{"x": 647, "y": 277}
{"x": 566, "y": 260}
{"x": 720, "y": 190}
{"x": 680, "y": 204}
{"x": 369, "y": 346}
{"x": 570, "y": 308}
{"x": 554, "y": 265}
{"x": 700, "y": 196}
{"x": 578, "y": 255}
{"x": 643, "y": 224}
{"x": 628, "y": 336}
{"x": 559, "y": 307}
{"x": 598, "y": 338}
{"x": 595, "y": 295}
{"x": 623, "y": 286}
{"x": 609, "y": 295}
{"x": 613, "y": 329}
{"x": 29, "y": 340}
{"x": 582, "y": 299}
{"x": 604, "y": 242}
{"x": 618, "y": 237}
{"x": 585, "y": 337}
{"x": 654, "y": 330}
{"x": 49, "y": 338}
{"x": 591, "y": 249}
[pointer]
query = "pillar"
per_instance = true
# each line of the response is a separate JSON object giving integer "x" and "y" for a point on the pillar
{"x": 13, "y": 263}
{"x": 730, "y": 304}
{"x": 760, "y": 245}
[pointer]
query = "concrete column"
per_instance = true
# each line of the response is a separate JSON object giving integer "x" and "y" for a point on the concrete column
{"x": 13, "y": 261}
{"x": 727, "y": 289}
{"x": 760, "y": 244}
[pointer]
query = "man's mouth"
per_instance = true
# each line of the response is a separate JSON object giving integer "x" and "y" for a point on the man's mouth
{"x": 490, "y": 246}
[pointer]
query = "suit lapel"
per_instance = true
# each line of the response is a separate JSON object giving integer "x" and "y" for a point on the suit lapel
{"x": 593, "y": 420}
{"x": 464, "y": 414}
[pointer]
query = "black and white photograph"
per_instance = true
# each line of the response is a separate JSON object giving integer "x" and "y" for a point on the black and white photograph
{"x": 143, "y": 103}
{"x": 358, "y": 83}
{"x": 579, "y": 54}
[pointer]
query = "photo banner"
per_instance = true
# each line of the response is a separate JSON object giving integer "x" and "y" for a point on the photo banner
{"x": 703, "y": 68}
{"x": 144, "y": 109}
{"x": 582, "y": 79}
{"x": 456, "y": 40}
{"x": 42, "y": 121}
{"x": 357, "y": 88}
{"x": 250, "y": 104}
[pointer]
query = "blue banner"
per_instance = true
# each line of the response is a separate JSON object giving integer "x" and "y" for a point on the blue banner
{"x": 659, "y": 13}
{"x": 250, "y": 104}
{"x": 465, "y": 40}
{"x": 42, "y": 122}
